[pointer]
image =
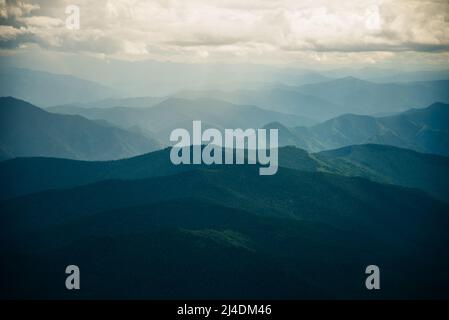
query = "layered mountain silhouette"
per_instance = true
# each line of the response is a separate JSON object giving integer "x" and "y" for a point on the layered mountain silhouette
{"x": 48, "y": 89}
{"x": 364, "y": 97}
{"x": 363, "y": 179}
{"x": 179, "y": 113}
{"x": 27, "y": 130}
{"x": 423, "y": 130}
{"x": 379, "y": 163}
{"x": 277, "y": 98}
{"x": 144, "y": 228}
{"x": 327, "y": 99}
{"x": 132, "y": 102}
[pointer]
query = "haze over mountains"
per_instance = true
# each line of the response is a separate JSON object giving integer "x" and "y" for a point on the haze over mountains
{"x": 143, "y": 129}
{"x": 351, "y": 189}
{"x": 314, "y": 95}
{"x": 388, "y": 75}
{"x": 328, "y": 99}
{"x": 142, "y": 124}
{"x": 47, "y": 89}
{"x": 423, "y": 130}
{"x": 179, "y": 113}
{"x": 133, "y": 102}
{"x": 357, "y": 94}
{"x": 163, "y": 78}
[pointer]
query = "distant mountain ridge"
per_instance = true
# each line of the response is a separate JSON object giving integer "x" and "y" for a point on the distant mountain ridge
{"x": 279, "y": 98}
{"x": 27, "y": 130}
{"x": 48, "y": 89}
{"x": 173, "y": 113}
{"x": 131, "y": 102}
{"x": 423, "y": 130}
{"x": 364, "y": 97}
{"x": 331, "y": 98}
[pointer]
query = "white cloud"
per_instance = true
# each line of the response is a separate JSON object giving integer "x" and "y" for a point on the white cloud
{"x": 42, "y": 22}
{"x": 10, "y": 9}
{"x": 9, "y": 33}
{"x": 278, "y": 30}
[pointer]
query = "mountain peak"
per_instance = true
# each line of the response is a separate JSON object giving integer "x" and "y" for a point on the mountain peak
{"x": 11, "y": 99}
{"x": 12, "y": 103}
{"x": 275, "y": 125}
{"x": 438, "y": 105}
{"x": 434, "y": 108}
{"x": 351, "y": 79}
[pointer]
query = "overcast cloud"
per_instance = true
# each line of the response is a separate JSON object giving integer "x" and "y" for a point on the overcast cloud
{"x": 279, "y": 31}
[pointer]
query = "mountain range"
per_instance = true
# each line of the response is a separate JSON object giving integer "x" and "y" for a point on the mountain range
{"x": 200, "y": 233}
{"x": 174, "y": 113}
{"x": 380, "y": 163}
{"x": 47, "y": 89}
{"x": 364, "y": 97}
{"x": 363, "y": 179}
{"x": 138, "y": 130}
{"x": 317, "y": 96}
{"x": 163, "y": 78}
{"x": 145, "y": 228}
{"x": 324, "y": 100}
{"x": 131, "y": 102}
{"x": 26, "y": 130}
{"x": 423, "y": 130}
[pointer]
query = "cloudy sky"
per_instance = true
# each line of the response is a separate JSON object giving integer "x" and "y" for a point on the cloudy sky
{"x": 266, "y": 31}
